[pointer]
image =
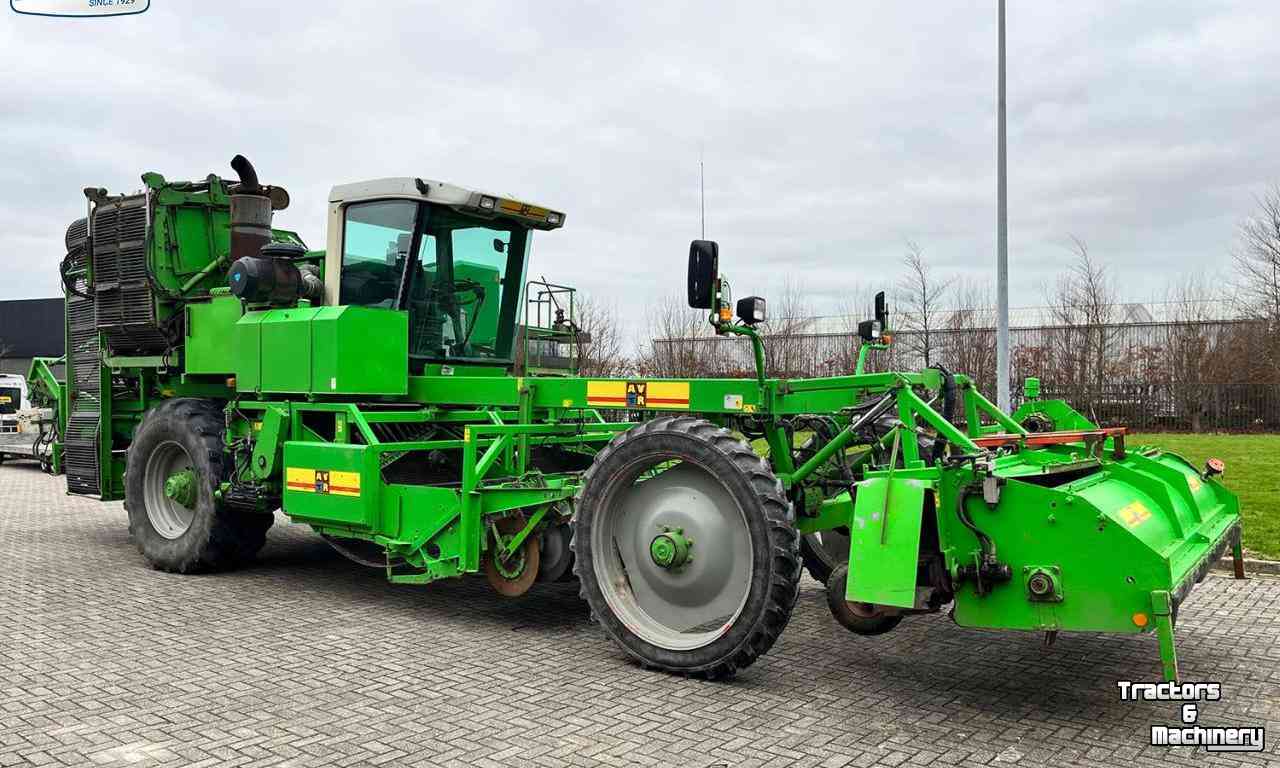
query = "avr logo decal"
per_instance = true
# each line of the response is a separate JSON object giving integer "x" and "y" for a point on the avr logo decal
{"x": 79, "y": 8}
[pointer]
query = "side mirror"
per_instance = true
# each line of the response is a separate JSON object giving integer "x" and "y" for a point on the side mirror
{"x": 704, "y": 262}
{"x": 882, "y": 312}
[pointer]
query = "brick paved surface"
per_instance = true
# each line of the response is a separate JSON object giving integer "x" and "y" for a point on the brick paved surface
{"x": 306, "y": 659}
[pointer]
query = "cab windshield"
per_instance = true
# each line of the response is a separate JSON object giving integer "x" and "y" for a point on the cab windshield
{"x": 458, "y": 277}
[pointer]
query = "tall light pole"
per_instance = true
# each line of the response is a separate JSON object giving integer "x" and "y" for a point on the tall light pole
{"x": 1002, "y": 245}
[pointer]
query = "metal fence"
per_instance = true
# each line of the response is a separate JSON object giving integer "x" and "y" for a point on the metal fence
{"x": 1208, "y": 375}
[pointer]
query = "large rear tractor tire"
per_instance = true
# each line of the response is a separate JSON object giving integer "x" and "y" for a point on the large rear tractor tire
{"x": 175, "y": 464}
{"x": 685, "y": 547}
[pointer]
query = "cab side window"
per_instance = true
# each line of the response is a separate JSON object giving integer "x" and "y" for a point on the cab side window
{"x": 375, "y": 243}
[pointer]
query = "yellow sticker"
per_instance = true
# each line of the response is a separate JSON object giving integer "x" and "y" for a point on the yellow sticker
{"x": 1193, "y": 483}
{"x": 667, "y": 394}
{"x": 607, "y": 394}
{"x": 522, "y": 209}
{"x": 638, "y": 394}
{"x": 1135, "y": 514}
{"x": 323, "y": 481}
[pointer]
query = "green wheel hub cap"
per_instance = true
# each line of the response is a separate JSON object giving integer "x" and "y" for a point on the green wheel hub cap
{"x": 181, "y": 487}
{"x": 670, "y": 549}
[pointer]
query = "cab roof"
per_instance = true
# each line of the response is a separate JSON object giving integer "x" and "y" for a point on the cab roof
{"x": 470, "y": 201}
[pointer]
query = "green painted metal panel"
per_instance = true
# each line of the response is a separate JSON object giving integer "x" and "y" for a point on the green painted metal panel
{"x": 1116, "y": 532}
{"x": 331, "y": 484}
{"x": 246, "y": 351}
{"x": 884, "y": 541}
{"x": 322, "y": 350}
{"x": 285, "y": 350}
{"x": 211, "y": 341}
{"x": 359, "y": 351}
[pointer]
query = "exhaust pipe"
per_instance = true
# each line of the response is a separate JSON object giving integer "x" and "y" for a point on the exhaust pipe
{"x": 250, "y": 212}
{"x": 248, "y": 176}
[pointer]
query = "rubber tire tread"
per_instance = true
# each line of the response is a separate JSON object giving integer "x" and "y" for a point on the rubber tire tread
{"x": 859, "y": 625}
{"x": 774, "y": 588}
{"x": 219, "y": 538}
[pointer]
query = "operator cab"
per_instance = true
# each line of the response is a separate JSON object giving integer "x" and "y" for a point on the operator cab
{"x": 452, "y": 258}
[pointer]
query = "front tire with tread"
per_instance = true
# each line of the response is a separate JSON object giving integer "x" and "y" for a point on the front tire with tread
{"x": 770, "y": 524}
{"x": 217, "y": 538}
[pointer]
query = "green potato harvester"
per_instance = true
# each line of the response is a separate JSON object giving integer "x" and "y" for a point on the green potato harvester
{"x": 383, "y": 392}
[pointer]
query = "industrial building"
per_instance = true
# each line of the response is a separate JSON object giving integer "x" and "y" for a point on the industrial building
{"x": 29, "y": 328}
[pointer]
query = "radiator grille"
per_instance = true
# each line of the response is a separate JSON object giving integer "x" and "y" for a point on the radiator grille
{"x": 84, "y": 376}
{"x": 126, "y": 309}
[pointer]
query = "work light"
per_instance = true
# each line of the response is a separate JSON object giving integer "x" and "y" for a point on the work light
{"x": 751, "y": 310}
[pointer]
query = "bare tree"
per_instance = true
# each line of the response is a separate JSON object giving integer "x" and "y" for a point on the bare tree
{"x": 1257, "y": 262}
{"x": 602, "y": 353}
{"x": 677, "y": 342}
{"x": 788, "y": 342}
{"x": 921, "y": 296}
{"x": 1257, "y": 258}
{"x": 1083, "y": 305}
{"x": 968, "y": 339}
{"x": 1187, "y": 348}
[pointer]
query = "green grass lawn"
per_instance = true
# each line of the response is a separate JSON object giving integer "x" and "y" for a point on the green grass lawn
{"x": 1253, "y": 472}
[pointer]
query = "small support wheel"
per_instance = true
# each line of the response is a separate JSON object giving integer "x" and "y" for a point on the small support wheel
{"x": 512, "y": 576}
{"x": 859, "y": 618}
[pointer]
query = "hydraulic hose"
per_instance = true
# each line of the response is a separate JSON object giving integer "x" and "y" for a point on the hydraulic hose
{"x": 984, "y": 541}
{"x": 948, "y": 408}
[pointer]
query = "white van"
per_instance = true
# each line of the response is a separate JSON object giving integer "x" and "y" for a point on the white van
{"x": 13, "y": 398}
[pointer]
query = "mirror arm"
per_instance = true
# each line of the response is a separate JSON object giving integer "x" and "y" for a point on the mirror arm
{"x": 757, "y": 345}
{"x": 863, "y": 349}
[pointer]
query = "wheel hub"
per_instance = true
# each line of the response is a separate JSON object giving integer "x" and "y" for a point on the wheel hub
{"x": 670, "y": 549}
{"x": 512, "y": 566}
{"x": 651, "y": 578}
{"x": 170, "y": 489}
{"x": 181, "y": 487}
{"x": 511, "y": 575}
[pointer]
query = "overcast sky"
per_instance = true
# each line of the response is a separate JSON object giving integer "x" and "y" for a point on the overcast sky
{"x": 831, "y": 132}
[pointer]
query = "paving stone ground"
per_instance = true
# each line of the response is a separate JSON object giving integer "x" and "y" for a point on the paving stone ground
{"x": 306, "y": 659}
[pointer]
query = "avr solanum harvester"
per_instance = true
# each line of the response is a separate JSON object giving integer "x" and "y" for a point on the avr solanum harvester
{"x": 380, "y": 391}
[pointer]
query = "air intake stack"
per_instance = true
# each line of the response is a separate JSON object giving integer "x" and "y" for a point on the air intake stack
{"x": 250, "y": 211}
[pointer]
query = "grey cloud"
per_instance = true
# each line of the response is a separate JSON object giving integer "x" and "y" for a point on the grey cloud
{"x": 831, "y": 131}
